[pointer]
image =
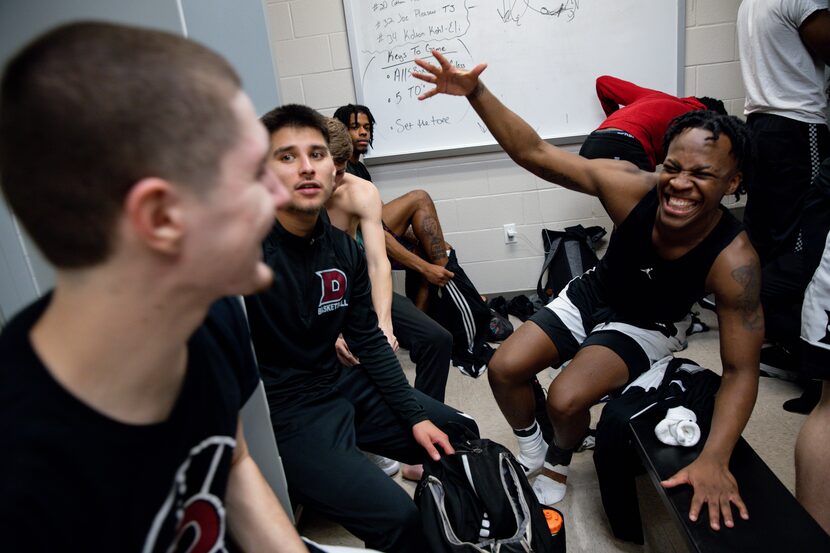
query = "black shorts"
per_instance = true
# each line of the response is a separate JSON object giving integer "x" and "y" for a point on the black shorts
{"x": 615, "y": 144}
{"x": 570, "y": 330}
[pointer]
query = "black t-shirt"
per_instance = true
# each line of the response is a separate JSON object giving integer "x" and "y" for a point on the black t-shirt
{"x": 74, "y": 479}
{"x": 358, "y": 169}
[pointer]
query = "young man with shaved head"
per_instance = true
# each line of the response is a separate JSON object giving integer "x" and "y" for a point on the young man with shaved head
{"x": 138, "y": 166}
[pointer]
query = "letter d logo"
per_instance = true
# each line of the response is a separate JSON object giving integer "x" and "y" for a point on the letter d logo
{"x": 333, "y": 283}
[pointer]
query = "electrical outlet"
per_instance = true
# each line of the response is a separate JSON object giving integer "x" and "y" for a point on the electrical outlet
{"x": 510, "y": 233}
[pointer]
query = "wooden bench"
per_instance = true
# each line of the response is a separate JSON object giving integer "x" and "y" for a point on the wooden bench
{"x": 777, "y": 522}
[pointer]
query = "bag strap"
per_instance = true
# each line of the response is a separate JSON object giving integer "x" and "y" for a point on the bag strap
{"x": 554, "y": 247}
{"x": 574, "y": 256}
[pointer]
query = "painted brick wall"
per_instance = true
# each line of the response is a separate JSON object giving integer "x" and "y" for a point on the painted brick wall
{"x": 476, "y": 195}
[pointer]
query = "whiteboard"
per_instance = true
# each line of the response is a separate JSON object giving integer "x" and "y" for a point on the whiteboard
{"x": 543, "y": 59}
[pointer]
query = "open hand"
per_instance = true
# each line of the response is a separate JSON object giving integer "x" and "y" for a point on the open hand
{"x": 447, "y": 78}
{"x": 714, "y": 485}
{"x": 428, "y": 436}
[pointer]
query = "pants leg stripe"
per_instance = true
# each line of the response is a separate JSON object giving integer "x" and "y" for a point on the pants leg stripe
{"x": 466, "y": 313}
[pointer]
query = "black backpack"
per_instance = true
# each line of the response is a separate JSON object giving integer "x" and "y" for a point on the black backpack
{"x": 568, "y": 254}
{"x": 479, "y": 500}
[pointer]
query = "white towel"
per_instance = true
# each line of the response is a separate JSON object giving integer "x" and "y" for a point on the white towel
{"x": 678, "y": 428}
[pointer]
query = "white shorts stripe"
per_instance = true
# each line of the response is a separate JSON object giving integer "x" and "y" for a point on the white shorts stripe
{"x": 814, "y": 310}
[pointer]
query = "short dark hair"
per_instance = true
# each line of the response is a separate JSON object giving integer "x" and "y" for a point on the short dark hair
{"x": 89, "y": 109}
{"x": 340, "y": 143}
{"x": 348, "y": 116}
{"x": 742, "y": 148}
{"x": 296, "y": 116}
{"x": 712, "y": 104}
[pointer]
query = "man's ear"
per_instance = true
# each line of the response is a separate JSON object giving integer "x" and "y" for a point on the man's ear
{"x": 734, "y": 183}
{"x": 154, "y": 209}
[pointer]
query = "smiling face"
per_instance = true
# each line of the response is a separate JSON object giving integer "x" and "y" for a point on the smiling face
{"x": 360, "y": 129}
{"x": 301, "y": 160}
{"x": 233, "y": 216}
{"x": 697, "y": 173}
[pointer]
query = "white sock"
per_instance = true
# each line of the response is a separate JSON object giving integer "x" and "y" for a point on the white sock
{"x": 548, "y": 491}
{"x": 532, "y": 448}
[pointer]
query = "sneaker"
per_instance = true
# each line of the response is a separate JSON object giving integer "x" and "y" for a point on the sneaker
{"x": 520, "y": 307}
{"x": 473, "y": 365}
{"x": 777, "y": 362}
{"x": 390, "y": 467}
{"x": 468, "y": 368}
{"x": 588, "y": 442}
{"x": 697, "y": 325}
{"x": 708, "y": 302}
{"x": 499, "y": 305}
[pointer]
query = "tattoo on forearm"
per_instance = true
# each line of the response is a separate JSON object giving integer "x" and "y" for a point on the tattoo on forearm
{"x": 477, "y": 91}
{"x": 435, "y": 248}
{"x": 749, "y": 301}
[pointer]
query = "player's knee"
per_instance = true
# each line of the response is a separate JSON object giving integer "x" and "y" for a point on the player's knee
{"x": 397, "y": 529}
{"x": 564, "y": 403}
{"x": 501, "y": 370}
{"x": 440, "y": 338}
{"x": 420, "y": 197}
{"x": 406, "y": 518}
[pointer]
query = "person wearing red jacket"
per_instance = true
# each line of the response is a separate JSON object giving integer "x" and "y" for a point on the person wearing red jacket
{"x": 636, "y": 120}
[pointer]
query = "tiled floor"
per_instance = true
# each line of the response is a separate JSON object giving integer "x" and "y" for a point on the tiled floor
{"x": 771, "y": 432}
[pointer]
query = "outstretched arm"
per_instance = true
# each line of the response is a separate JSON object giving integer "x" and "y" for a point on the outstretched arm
{"x": 255, "y": 517}
{"x": 736, "y": 280}
{"x": 613, "y": 93}
{"x": 618, "y": 184}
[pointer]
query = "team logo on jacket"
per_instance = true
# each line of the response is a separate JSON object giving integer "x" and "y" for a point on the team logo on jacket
{"x": 333, "y": 290}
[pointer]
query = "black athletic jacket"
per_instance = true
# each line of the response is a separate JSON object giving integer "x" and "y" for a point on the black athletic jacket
{"x": 321, "y": 288}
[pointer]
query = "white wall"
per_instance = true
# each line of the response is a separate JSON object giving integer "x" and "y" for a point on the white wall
{"x": 477, "y": 195}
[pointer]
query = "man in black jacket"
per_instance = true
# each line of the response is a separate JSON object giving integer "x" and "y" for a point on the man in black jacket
{"x": 321, "y": 411}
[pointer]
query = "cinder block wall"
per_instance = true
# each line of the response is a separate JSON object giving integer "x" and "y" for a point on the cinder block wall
{"x": 476, "y": 195}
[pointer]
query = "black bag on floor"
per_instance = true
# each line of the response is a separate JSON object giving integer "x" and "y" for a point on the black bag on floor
{"x": 568, "y": 254}
{"x": 479, "y": 500}
{"x": 500, "y": 327}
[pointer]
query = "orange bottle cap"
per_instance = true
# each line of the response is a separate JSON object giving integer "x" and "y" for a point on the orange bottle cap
{"x": 554, "y": 520}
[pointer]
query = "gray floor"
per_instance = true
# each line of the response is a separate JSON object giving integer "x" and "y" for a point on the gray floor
{"x": 771, "y": 432}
